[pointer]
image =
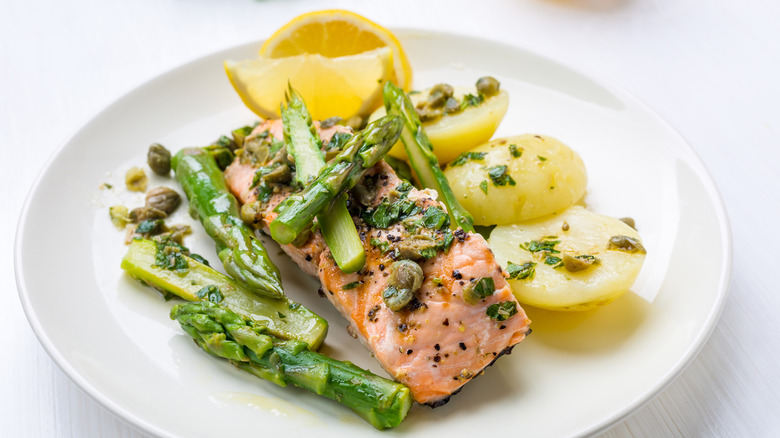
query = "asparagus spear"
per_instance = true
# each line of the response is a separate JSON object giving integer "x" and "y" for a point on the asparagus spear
{"x": 242, "y": 255}
{"x": 420, "y": 152}
{"x": 336, "y": 224}
{"x": 196, "y": 281}
{"x": 223, "y": 333}
{"x": 362, "y": 151}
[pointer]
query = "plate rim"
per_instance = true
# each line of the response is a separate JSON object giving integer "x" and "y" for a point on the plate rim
{"x": 691, "y": 352}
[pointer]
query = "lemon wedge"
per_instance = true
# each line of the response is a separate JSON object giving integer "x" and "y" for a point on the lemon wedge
{"x": 343, "y": 86}
{"x": 336, "y": 33}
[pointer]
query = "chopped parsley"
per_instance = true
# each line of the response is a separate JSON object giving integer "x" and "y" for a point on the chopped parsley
{"x": 338, "y": 141}
{"x": 210, "y": 293}
{"x": 475, "y": 291}
{"x": 483, "y": 186}
{"x": 435, "y": 218}
{"x": 521, "y": 272}
{"x": 471, "y": 100}
{"x": 171, "y": 256}
{"x": 351, "y": 285}
{"x": 553, "y": 261}
{"x": 514, "y": 151}
{"x": 150, "y": 226}
{"x": 541, "y": 158}
{"x": 389, "y": 212}
{"x": 500, "y": 176}
{"x": 468, "y": 156}
{"x": 541, "y": 245}
{"x": 383, "y": 245}
{"x": 502, "y": 311}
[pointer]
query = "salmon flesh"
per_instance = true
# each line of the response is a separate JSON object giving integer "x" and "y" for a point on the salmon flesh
{"x": 444, "y": 337}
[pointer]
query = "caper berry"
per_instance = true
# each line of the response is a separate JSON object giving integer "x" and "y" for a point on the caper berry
{"x": 163, "y": 199}
{"x": 439, "y": 95}
{"x": 119, "y": 216}
{"x": 159, "y": 159}
{"x": 451, "y": 106}
{"x": 141, "y": 214}
{"x": 405, "y": 278}
{"x": 626, "y": 243}
{"x": 488, "y": 85}
{"x": 136, "y": 180}
{"x": 249, "y": 212}
{"x": 577, "y": 263}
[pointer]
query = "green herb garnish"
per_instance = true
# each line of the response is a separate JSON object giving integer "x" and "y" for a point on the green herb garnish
{"x": 471, "y": 100}
{"x": 502, "y": 311}
{"x": 514, "y": 151}
{"x": 500, "y": 176}
{"x": 541, "y": 245}
{"x": 210, "y": 293}
{"x": 468, "y": 156}
{"x": 483, "y": 186}
{"x": 521, "y": 272}
{"x": 351, "y": 285}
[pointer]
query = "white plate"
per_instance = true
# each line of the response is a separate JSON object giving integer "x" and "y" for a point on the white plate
{"x": 577, "y": 374}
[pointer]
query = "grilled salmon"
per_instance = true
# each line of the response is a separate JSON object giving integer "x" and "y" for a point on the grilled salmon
{"x": 448, "y": 334}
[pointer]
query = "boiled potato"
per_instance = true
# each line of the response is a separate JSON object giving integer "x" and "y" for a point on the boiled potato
{"x": 582, "y": 259}
{"x": 456, "y": 133}
{"x": 540, "y": 176}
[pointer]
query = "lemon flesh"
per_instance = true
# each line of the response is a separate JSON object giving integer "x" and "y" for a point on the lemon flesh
{"x": 344, "y": 86}
{"x": 335, "y": 33}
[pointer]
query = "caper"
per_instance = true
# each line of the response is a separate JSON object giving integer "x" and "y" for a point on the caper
{"x": 488, "y": 85}
{"x": 177, "y": 232}
{"x": 405, "y": 274}
{"x": 249, "y": 212}
{"x": 451, "y": 106}
{"x": 439, "y": 95}
{"x": 331, "y": 122}
{"x": 426, "y": 113}
{"x": 626, "y": 243}
{"x": 136, "y": 180}
{"x": 141, "y": 214}
{"x": 280, "y": 174}
{"x": 256, "y": 149}
{"x": 405, "y": 278}
{"x": 119, "y": 216}
{"x": 576, "y": 263}
{"x": 159, "y": 159}
{"x": 413, "y": 247}
{"x": 163, "y": 199}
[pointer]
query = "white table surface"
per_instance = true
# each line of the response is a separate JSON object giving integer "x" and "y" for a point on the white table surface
{"x": 709, "y": 67}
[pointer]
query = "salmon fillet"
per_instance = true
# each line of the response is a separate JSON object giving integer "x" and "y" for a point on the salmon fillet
{"x": 442, "y": 339}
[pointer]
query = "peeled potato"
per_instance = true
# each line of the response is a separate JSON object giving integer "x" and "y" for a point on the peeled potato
{"x": 456, "y": 133}
{"x": 545, "y": 176}
{"x": 576, "y": 282}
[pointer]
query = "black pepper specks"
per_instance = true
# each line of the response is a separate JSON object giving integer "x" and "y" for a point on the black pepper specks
{"x": 446, "y": 322}
{"x": 457, "y": 275}
{"x": 372, "y": 313}
{"x": 408, "y": 352}
{"x": 308, "y": 257}
{"x": 437, "y": 347}
{"x": 462, "y": 346}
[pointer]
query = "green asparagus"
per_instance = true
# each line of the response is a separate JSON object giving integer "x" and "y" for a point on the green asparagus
{"x": 196, "y": 281}
{"x": 242, "y": 255}
{"x": 360, "y": 153}
{"x": 420, "y": 152}
{"x": 338, "y": 228}
{"x": 223, "y": 333}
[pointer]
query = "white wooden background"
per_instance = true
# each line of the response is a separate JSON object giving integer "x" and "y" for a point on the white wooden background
{"x": 710, "y": 67}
